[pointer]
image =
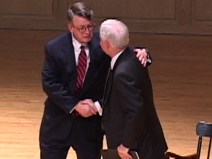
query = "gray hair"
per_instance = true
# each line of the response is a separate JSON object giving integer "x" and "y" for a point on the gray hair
{"x": 116, "y": 32}
{"x": 80, "y": 9}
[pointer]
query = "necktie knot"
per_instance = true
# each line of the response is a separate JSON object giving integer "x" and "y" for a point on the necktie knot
{"x": 82, "y": 47}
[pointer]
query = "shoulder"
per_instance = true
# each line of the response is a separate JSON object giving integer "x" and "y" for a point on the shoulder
{"x": 61, "y": 46}
{"x": 128, "y": 60}
{"x": 130, "y": 65}
{"x": 62, "y": 40}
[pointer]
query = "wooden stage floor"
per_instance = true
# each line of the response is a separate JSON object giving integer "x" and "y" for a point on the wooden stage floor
{"x": 181, "y": 76}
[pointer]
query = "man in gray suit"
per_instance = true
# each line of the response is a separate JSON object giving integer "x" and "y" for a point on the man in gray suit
{"x": 129, "y": 117}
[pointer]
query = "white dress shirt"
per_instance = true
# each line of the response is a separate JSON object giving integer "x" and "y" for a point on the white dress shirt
{"x": 77, "y": 51}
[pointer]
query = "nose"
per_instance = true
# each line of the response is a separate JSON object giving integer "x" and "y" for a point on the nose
{"x": 87, "y": 30}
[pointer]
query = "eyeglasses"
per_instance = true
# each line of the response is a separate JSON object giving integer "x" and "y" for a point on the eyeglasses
{"x": 83, "y": 28}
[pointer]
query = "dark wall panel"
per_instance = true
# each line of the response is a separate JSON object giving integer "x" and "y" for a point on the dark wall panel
{"x": 144, "y": 16}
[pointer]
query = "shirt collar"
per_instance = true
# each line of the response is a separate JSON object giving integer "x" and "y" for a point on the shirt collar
{"x": 113, "y": 60}
{"x": 77, "y": 49}
{"x": 76, "y": 43}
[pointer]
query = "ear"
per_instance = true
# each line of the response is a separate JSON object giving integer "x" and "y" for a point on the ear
{"x": 70, "y": 28}
{"x": 107, "y": 44}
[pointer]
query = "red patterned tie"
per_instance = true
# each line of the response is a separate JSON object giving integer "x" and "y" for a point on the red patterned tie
{"x": 81, "y": 68}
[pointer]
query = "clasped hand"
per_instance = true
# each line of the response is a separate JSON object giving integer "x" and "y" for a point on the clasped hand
{"x": 86, "y": 108}
{"x": 123, "y": 152}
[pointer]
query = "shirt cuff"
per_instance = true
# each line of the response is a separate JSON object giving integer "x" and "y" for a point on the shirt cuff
{"x": 98, "y": 107}
{"x": 71, "y": 111}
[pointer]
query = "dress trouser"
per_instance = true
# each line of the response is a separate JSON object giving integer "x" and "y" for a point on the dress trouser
{"x": 86, "y": 139}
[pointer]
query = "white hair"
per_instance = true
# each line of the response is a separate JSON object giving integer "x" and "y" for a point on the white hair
{"x": 116, "y": 32}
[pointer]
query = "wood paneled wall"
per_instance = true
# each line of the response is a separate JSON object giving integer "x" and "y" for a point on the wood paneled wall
{"x": 143, "y": 16}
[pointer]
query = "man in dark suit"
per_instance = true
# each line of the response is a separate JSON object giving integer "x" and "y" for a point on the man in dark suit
{"x": 67, "y": 120}
{"x": 129, "y": 117}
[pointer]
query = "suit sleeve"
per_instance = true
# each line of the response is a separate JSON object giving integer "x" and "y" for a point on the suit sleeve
{"x": 129, "y": 94}
{"x": 55, "y": 89}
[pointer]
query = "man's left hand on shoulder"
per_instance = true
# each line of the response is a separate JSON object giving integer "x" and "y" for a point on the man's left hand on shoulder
{"x": 143, "y": 56}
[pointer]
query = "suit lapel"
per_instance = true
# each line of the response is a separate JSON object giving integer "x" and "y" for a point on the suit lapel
{"x": 70, "y": 62}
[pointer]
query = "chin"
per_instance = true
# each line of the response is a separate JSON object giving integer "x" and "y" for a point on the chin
{"x": 86, "y": 40}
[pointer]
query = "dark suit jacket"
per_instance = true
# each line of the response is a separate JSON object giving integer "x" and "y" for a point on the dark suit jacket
{"x": 129, "y": 115}
{"x": 59, "y": 77}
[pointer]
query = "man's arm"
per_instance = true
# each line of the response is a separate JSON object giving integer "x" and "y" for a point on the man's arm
{"x": 52, "y": 85}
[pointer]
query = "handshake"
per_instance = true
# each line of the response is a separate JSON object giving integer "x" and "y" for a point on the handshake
{"x": 87, "y": 108}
